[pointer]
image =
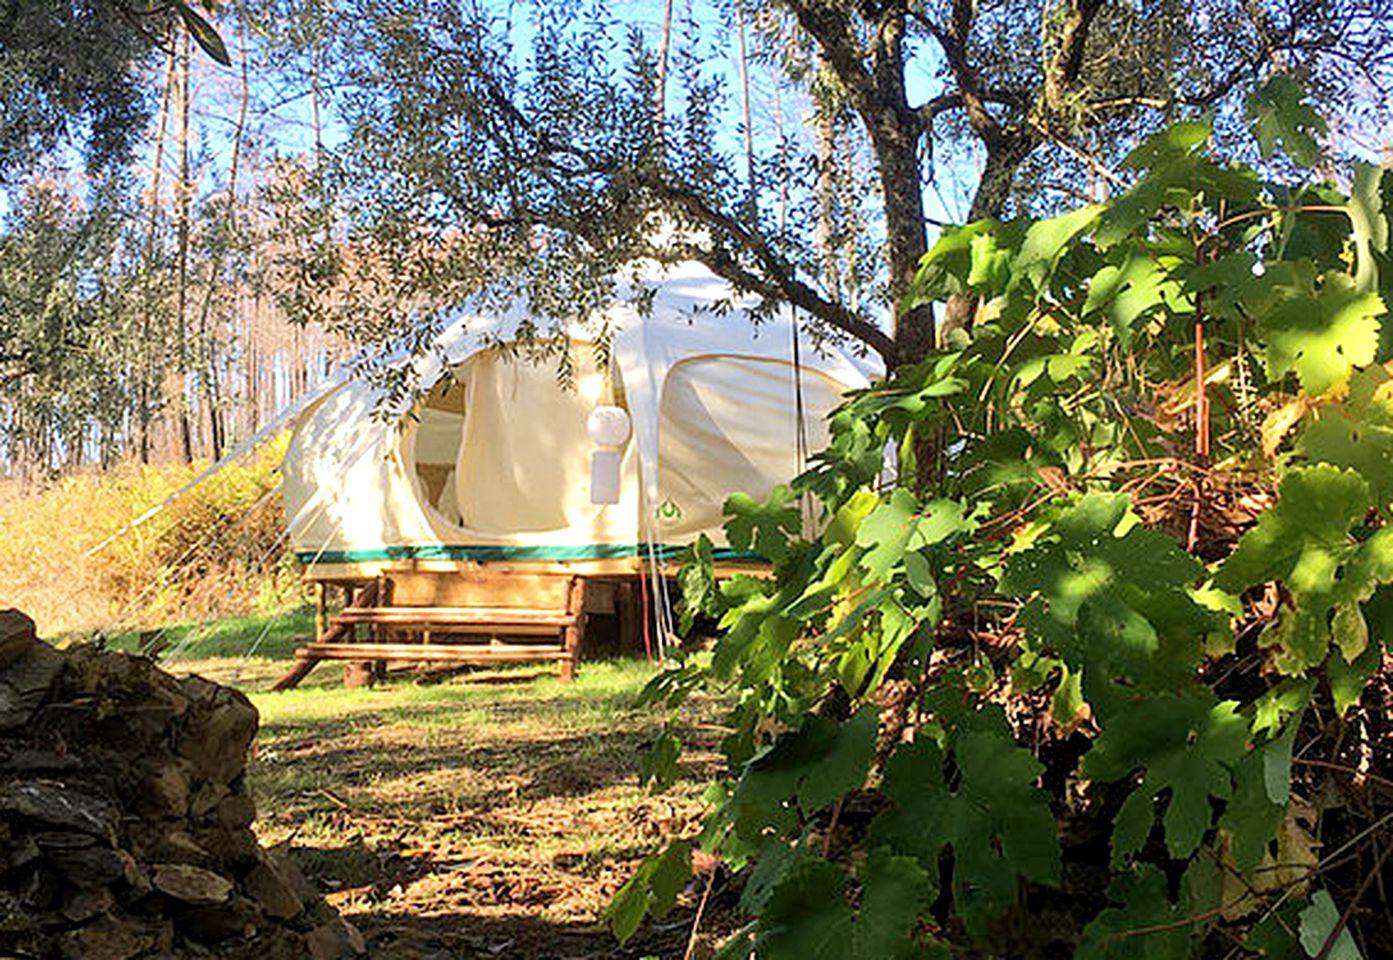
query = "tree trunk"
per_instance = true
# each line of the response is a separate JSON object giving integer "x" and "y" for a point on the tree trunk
{"x": 850, "y": 203}
{"x": 177, "y": 382}
{"x": 145, "y": 349}
{"x": 993, "y": 190}
{"x": 660, "y": 94}
{"x": 897, "y": 147}
{"x": 895, "y": 130}
{"x": 826, "y": 200}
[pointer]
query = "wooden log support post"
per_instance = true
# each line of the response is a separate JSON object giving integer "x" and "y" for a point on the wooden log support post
{"x": 574, "y": 632}
{"x": 366, "y": 673}
{"x": 321, "y": 610}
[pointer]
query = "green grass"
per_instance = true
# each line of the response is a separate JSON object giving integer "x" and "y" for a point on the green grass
{"x": 262, "y": 636}
{"x": 602, "y": 692}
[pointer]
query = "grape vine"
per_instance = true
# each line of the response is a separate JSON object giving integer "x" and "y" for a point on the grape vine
{"x": 1097, "y": 586}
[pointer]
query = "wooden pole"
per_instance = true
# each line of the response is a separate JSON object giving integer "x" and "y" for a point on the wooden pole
{"x": 321, "y": 610}
{"x": 575, "y": 632}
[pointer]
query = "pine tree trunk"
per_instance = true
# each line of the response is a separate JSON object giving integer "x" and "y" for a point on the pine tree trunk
{"x": 145, "y": 349}
{"x": 752, "y": 198}
{"x": 660, "y": 93}
{"x": 176, "y": 384}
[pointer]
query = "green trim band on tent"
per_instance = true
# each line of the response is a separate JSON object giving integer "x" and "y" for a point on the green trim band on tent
{"x": 484, "y": 553}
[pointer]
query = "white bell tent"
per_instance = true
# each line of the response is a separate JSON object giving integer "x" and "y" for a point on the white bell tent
{"x": 494, "y": 463}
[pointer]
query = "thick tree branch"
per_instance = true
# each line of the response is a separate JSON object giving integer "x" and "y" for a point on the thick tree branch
{"x": 952, "y": 40}
{"x": 779, "y": 279}
{"x": 1068, "y": 59}
{"x": 829, "y": 24}
{"x": 935, "y": 107}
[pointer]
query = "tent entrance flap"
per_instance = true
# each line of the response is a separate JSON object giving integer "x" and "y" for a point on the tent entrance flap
{"x": 729, "y": 423}
{"x": 524, "y": 463}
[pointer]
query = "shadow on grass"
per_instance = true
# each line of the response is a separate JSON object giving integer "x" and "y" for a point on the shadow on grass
{"x": 525, "y": 768}
{"x": 487, "y": 914}
{"x": 466, "y": 936}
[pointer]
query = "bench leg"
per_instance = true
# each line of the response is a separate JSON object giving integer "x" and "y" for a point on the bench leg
{"x": 359, "y": 673}
{"x": 292, "y": 678}
{"x": 575, "y": 632}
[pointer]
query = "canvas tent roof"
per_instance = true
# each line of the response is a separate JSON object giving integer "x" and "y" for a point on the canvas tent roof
{"x": 494, "y": 463}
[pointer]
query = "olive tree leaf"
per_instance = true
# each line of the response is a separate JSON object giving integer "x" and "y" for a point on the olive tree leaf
{"x": 202, "y": 32}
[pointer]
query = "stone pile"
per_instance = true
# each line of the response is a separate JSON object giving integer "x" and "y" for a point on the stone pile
{"x": 125, "y": 824}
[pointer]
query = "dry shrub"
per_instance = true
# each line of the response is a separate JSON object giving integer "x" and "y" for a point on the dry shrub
{"x": 214, "y": 550}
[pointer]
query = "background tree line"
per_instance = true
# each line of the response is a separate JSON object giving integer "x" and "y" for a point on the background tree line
{"x": 156, "y": 174}
{"x": 205, "y": 207}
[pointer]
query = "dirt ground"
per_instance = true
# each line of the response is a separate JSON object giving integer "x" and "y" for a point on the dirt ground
{"x": 485, "y": 814}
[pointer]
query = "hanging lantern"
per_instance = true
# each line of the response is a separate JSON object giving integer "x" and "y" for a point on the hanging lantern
{"x": 609, "y": 429}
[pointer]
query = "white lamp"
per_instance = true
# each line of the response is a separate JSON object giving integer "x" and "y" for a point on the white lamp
{"x": 608, "y": 426}
{"x": 609, "y": 429}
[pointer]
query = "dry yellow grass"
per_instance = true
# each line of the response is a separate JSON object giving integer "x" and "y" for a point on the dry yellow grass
{"x": 214, "y": 550}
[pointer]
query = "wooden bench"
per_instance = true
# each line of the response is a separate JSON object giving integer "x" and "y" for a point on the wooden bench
{"x": 406, "y": 623}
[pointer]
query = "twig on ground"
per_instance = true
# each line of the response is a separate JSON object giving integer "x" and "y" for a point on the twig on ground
{"x": 696, "y": 921}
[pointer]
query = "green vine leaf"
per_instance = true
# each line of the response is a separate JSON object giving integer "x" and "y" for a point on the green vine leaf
{"x": 997, "y": 822}
{"x": 1252, "y": 816}
{"x": 812, "y": 766}
{"x": 1318, "y": 923}
{"x": 1357, "y": 433}
{"x": 763, "y": 526}
{"x": 1046, "y": 240}
{"x": 1322, "y": 334}
{"x": 1370, "y": 223}
{"x": 1280, "y": 114}
{"x": 1315, "y": 509}
{"x": 659, "y": 766}
{"x": 1348, "y": 680}
{"x": 652, "y": 890}
{"x": 1139, "y": 285}
{"x": 808, "y": 917}
{"x": 1145, "y": 905}
{"x": 901, "y": 526}
{"x": 1185, "y": 744}
{"x": 1224, "y": 280}
{"x": 1176, "y": 141}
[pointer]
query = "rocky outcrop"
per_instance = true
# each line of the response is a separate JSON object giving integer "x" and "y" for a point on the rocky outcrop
{"x": 125, "y": 825}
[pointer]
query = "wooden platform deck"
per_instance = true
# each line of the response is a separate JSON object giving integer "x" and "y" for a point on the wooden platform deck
{"x": 541, "y": 618}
